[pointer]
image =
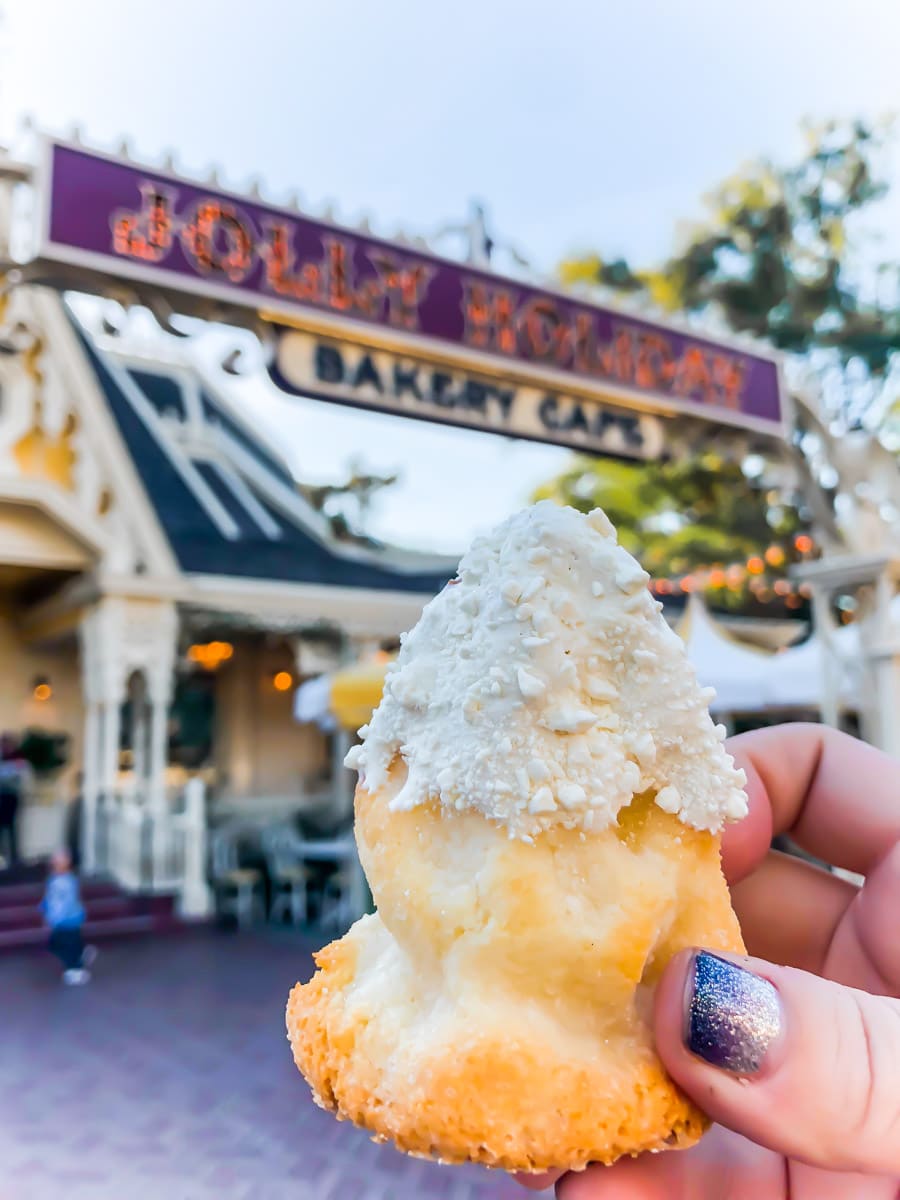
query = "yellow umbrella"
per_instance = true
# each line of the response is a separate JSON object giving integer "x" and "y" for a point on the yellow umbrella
{"x": 356, "y": 692}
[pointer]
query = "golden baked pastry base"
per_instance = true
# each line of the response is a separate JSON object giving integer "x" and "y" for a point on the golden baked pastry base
{"x": 496, "y": 1008}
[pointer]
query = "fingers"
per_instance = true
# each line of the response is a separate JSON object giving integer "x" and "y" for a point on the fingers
{"x": 865, "y": 950}
{"x": 800, "y": 1065}
{"x": 722, "y": 1164}
{"x": 838, "y": 797}
{"x": 789, "y": 911}
{"x": 746, "y": 843}
{"x": 538, "y": 1183}
{"x": 721, "y": 1169}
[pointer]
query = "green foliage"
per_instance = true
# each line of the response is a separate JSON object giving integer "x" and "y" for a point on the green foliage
{"x": 678, "y": 515}
{"x": 45, "y": 750}
{"x": 775, "y": 253}
{"x": 776, "y": 258}
{"x": 359, "y": 489}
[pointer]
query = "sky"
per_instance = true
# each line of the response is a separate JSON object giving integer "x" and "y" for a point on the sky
{"x": 581, "y": 125}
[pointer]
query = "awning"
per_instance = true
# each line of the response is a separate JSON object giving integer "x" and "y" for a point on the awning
{"x": 344, "y": 699}
{"x": 356, "y": 693}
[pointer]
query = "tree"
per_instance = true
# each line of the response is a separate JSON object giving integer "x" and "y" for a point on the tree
{"x": 775, "y": 255}
{"x": 358, "y": 489}
{"x": 678, "y": 515}
{"x": 781, "y": 256}
{"x": 698, "y": 512}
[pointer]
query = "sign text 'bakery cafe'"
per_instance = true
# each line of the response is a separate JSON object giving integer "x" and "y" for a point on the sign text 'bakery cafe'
{"x": 376, "y": 323}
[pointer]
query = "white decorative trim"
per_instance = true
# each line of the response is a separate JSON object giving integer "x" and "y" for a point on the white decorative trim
{"x": 296, "y": 508}
{"x": 215, "y": 510}
{"x": 238, "y": 488}
{"x": 358, "y": 612}
{"x": 142, "y": 523}
{"x": 57, "y": 505}
{"x": 119, "y": 637}
{"x": 282, "y": 496}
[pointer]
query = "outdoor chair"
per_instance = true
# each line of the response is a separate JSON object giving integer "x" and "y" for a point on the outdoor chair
{"x": 336, "y": 912}
{"x": 240, "y": 891}
{"x": 288, "y": 876}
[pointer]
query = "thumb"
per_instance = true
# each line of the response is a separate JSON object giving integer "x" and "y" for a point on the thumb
{"x": 798, "y": 1064}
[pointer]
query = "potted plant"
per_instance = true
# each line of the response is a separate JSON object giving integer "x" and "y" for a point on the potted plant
{"x": 47, "y": 753}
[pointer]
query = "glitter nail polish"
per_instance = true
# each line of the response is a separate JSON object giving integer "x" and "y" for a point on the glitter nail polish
{"x": 733, "y": 1016}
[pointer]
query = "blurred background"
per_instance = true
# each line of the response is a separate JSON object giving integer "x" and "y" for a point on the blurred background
{"x": 204, "y": 571}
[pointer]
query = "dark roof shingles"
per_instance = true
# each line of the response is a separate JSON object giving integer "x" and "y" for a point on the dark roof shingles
{"x": 297, "y": 556}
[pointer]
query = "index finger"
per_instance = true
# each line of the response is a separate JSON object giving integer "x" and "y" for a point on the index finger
{"x": 837, "y": 798}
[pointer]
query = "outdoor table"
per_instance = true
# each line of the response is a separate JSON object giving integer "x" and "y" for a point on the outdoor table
{"x": 342, "y": 849}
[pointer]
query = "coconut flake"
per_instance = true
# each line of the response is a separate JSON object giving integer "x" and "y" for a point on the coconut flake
{"x": 594, "y": 704}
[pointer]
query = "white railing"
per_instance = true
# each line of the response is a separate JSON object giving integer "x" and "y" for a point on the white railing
{"x": 196, "y": 897}
{"x": 149, "y": 850}
{"x": 126, "y": 856}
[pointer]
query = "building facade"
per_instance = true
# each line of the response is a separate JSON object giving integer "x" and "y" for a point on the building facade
{"x": 164, "y": 587}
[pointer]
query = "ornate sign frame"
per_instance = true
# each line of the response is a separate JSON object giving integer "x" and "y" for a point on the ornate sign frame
{"x": 105, "y": 220}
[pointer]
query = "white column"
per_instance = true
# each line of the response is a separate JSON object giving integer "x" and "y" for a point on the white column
{"x": 139, "y": 740}
{"x": 831, "y": 673}
{"x": 103, "y": 682}
{"x": 156, "y": 764}
{"x": 90, "y": 787}
{"x": 110, "y": 722}
{"x": 120, "y": 860}
{"x": 196, "y": 898}
{"x": 149, "y": 634}
{"x": 882, "y": 644}
{"x": 886, "y": 670}
{"x": 874, "y": 580}
{"x": 157, "y": 801}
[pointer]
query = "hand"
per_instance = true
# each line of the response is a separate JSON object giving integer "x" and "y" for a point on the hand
{"x": 796, "y": 1051}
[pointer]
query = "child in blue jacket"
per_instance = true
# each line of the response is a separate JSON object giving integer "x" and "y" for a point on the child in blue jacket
{"x": 64, "y": 914}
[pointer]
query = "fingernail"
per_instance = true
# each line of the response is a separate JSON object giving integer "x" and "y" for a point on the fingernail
{"x": 733, "y": 1016}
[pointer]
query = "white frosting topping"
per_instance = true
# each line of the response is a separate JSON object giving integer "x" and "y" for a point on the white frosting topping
{"x": 543, "y": 687}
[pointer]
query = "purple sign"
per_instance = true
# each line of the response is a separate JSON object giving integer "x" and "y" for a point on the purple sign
{"x": 117, "y": 219}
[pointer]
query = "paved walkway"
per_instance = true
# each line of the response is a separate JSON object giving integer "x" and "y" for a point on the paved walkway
{"x": 169, "y": 1078}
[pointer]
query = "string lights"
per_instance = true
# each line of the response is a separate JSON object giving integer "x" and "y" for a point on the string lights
{"x": 753, "y": 574}
{"x": 210, "y": 655}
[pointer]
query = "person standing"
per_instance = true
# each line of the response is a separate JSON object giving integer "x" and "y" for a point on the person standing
{"x": 14, "y": 773}
{"x": 64, "y": 914}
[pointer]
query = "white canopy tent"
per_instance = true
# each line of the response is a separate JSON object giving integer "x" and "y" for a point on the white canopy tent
{"x": 796, "y": 675}
{"x": 747, "y": 679}
{"x": 737, "y": 672}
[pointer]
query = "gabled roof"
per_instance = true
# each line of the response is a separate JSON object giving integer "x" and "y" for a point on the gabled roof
{"x": 226, "y": 500}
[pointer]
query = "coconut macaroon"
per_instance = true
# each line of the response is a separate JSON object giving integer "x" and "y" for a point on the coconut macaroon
{"x": 538, "y": 814}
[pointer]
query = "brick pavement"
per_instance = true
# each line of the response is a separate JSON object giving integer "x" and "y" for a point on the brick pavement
{"x": 169, "y": 1078}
